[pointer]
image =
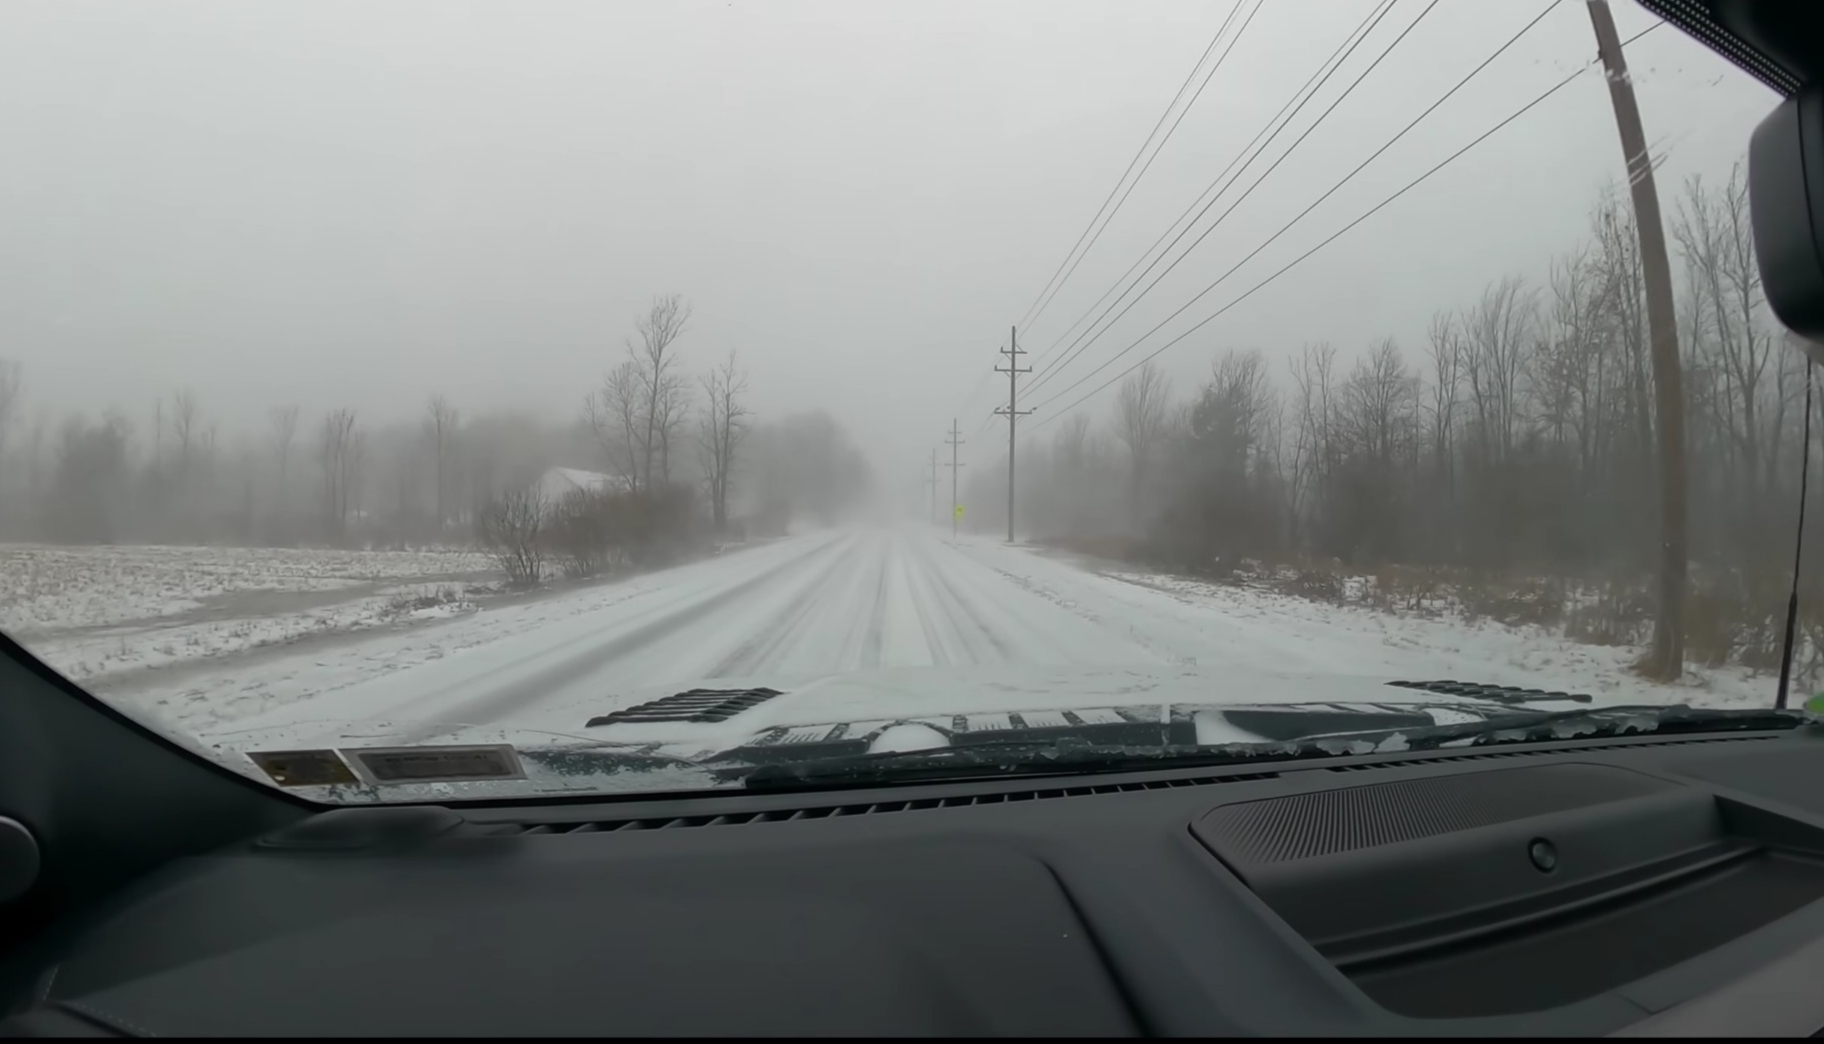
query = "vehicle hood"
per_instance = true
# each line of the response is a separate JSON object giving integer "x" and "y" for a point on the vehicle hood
{"x": 723, "y": 727}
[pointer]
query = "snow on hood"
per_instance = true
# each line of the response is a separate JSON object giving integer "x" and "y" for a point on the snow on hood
{"x": 566, "y": 746}
{"x": 871, "y": 701}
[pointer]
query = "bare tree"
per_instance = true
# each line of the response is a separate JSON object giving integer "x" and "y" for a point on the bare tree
{"x": 1142, "y": 416}
{"x": 1313, "y": 374}
{"x": 185, "y": 418}
{"x": 440, "y": 425}
{"x": 335, "y": 458}
{"x": 1498, "y": 333}
{"x": 12, "y": 381}
{"x": 282, "y": 434}
{"x": 1445, "y": 351}
{"x": 1380, "y": 400}
{"x": 1229, "y": 418}
{"x": 644, "y": 402}
{"x": 1717, "y": 246}
{"x": 662, "y": 386}
{"x": 354, "y": 475}
{"x": 613, "y": 414}
{"x": 724, "y": 425}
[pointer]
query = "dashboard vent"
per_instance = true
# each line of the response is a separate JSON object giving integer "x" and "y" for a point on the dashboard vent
{"x": 1487, "y": 754}
{"x": 868, "y": 808}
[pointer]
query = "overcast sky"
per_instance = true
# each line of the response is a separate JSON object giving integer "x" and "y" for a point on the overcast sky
{"x": 364, "y": 202}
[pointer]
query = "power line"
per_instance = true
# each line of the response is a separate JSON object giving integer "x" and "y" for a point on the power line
{"x": 1149, "y": 160}
{"x": 1130, "y": 163}
{"x": 1349, "y": 42}
{"x": 1221, "y": 218}
{"x": 1446, "y": 96}
{"x": 1377, "y": 207}
{"x": 1059, "y": 366}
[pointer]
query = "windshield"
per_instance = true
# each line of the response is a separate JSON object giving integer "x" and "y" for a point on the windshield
{"x": 417, "y": 398}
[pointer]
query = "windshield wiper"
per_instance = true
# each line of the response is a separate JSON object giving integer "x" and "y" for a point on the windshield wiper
{"x": 1000, "y": 759}
{"x": 1597, "y": 722}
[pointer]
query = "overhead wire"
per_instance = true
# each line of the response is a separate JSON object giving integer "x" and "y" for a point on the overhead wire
{"x": 1192, "y": 75}
{"x": 1389, "y": 143}
{"x": 1215, "y": 39}
{"x": 1207, "y": 77}
{"x": 1084, "y": 346}
{"x": 981, "y": 381}
{"x": 1409, "y": 186}
{"x": 1362, "y": 28}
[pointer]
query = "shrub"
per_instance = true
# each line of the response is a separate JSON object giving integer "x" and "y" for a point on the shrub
{"x": 1535, "y": 601}
{"x": 511, "y": 529}
{"x": 1319, "y": 585}
{"x": 584, "y": 531}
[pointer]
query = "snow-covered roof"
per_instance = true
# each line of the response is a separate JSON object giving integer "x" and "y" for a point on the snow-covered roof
{"x": 556, "y": 482}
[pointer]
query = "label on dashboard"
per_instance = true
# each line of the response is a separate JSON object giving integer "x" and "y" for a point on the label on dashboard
{"x": 468, "y": 763}
{"x": 304, "y": 768}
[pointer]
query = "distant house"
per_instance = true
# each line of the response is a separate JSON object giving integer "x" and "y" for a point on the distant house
{"x": 556, "y": 483}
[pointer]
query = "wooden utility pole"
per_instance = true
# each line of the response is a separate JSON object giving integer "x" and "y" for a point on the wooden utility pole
{"x": 956, "y": 439}
{"x": 1013, "y": 369}
{"x": 1667, "y": 659}
{"x": 934, "y": 486}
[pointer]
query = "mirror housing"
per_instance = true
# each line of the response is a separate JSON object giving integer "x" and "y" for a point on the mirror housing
{"x": 1786, "y": 198}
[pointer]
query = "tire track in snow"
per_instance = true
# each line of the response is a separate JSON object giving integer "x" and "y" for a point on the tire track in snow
{"x": 959, "y": 610}
{"x": 921, "y": 608}
{"x": 877, "y": 619}
{"x": 488, "y": 708}
{"x": 679, "y": 606}
{"x": 754, "y": 655}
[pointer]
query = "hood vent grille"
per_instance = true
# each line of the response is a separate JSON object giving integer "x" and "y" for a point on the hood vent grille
{"x": 693, "y": 705}
{"x": 1508, "y": 694}
{"x": 870, "y": 808}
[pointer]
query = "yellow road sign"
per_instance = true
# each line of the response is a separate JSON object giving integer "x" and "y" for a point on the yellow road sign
{"x": 959, "y": 511}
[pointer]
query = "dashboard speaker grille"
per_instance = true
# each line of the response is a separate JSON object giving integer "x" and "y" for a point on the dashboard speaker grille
{"x": 1301, "y": 826}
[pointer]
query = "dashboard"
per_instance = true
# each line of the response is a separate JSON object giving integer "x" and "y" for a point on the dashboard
{"x": 1634, "y": 887}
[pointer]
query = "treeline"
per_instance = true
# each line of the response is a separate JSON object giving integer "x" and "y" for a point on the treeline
{"x": 1514, "y": 447}
{"x": 173, "y": 473}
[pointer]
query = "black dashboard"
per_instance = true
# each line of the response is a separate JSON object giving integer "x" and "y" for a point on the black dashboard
{"x": 1644, "y": 886}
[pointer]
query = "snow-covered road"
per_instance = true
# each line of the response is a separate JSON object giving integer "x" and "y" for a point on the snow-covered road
{"x": 905, "y": 605}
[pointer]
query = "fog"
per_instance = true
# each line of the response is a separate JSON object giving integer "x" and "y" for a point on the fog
{"x": 361, "y": 205}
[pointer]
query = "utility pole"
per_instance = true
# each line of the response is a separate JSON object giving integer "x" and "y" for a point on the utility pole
{"x": 1013, "y": 369}
{"x": 1668, "y": 656}
{"x": 934, "y": 485}
{"x": 956, "y": 439}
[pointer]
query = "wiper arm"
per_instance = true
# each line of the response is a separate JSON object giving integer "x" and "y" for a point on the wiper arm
{"x": 1014, "y": 758}
{"x": 1008, "y": 758}
{"x": 1586, "y": 722}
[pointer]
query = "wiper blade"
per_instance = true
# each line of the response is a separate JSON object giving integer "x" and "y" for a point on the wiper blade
{"x": 1588, "y": 722}
{"x": 980, "y": 760}
{"x": 1014, "y": 758}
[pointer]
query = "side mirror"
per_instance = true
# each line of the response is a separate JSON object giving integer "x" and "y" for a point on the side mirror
{"x": 1786, "y": 197}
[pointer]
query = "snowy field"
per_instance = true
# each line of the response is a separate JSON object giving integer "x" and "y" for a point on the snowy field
{"x": 97, "y": 611}
{"x": 969, "y": 623}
